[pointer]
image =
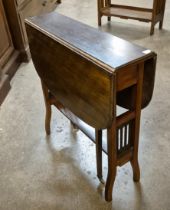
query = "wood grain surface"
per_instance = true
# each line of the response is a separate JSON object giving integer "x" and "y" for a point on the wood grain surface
{"x": 80, "y": 85}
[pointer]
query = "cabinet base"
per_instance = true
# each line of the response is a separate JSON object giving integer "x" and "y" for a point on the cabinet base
{"x": 7, "y": 73}
{"x": 4, "y": 87}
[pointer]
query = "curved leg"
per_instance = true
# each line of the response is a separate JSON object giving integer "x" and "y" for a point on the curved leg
{"x": 135, "y": 127}
{"x": 134, "y": 133}
{"x": 98, "y": 137}
{"x": 48, "y": 108}
{"x": 109, "y": 183}
{"x": 48, "y": 119}
{"x": 112, "y": 163}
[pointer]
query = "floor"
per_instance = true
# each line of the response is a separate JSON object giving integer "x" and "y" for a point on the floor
{"x": 59, "y": 172}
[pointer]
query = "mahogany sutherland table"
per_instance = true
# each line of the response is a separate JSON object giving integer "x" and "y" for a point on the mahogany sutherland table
{"x": 86, "y": 73}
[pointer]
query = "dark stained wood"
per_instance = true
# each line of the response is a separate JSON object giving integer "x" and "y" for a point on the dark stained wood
{"x": 88, "y": 95}
{"x": 6, "y": 45}
{"x": 98, "y": 140}
{"x": 124, "y": 118}
{"x": 136, "y": 123}
{"x": 48, "y": 109}
{"x": 124, "y": 157}
{"x": 153, "y": 15}
{"x": 125, "y": 98}
{"x": 14, "y": 43}
{"x": 104, "y": 51}
{"x": 112, "y": 161}
{"x": 126, "y": 77}
{"x": 105, "y": 47}
{"x": 85, "y": 73}
{"x": 16, "y": 29}
{"x": 4, "y": 87}
{"x": 9, "y": 57}
{"x": 17, "y": 11}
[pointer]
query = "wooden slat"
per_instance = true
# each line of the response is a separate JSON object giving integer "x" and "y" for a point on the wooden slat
{"x": 124, "y": 157}
{"x": 125, "y": 118}
{"x": 144, "y": 9}
{"x": 127, "y": 13}
{"x": 125, "y": 135}
{"x": 121, "y": 138}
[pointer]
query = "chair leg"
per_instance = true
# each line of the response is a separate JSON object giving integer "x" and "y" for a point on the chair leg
{"x": 99, "y": 6}
{"x": 162, "y": 15}
{"x": 98, "y": 137}
{"x": 160, "y": 24}
{"x": 112, "y": 163}
{"x": 48, "y": 108}
{"x": 99, "y": 20}
{"x": 109, "y": 18}
{"x": 152, "y": 29}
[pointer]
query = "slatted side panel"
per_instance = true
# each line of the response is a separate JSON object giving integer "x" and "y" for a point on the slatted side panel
{"x": 124, "y": 142}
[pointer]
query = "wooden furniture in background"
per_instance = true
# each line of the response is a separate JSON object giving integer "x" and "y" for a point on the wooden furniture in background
{"x": 22, "y": 9}
{"x": 9, "y": 56}
{"x": 153, "y": 15}
{"x": 85, "y": 73}
{"x": 13, "y": 38}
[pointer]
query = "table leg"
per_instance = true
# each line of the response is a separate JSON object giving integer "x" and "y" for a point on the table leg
{"x": 136, "y": 123}
{"x": 112, "y": 161}
{"x": 160, "y": 24}
{"x": 99, "y": 6}
{"x": 152, "y": 28}
{"x": 98, "y": 137}
{"x": 48, "y": 108}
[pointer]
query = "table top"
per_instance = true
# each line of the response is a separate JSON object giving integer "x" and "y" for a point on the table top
{"x": 102, "y": 47}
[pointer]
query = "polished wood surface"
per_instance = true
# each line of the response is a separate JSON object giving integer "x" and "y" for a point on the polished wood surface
{"x": 153, "y": 15}
{"x": 94, "y": 107}
{"x": 85, "y": 73}
{"x": 107, "y": 51}
{"x": 103, "y": 48}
